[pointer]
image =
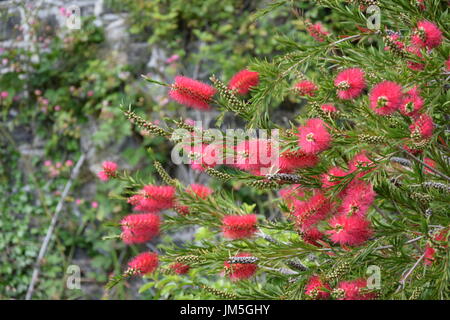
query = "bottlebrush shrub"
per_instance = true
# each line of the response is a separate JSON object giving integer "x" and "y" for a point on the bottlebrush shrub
{"x": 354, "y": 205}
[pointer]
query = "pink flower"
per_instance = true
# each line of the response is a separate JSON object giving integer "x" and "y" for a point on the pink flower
{"x": 331, "y": 178}
{"x": 57, "y": 108}
{"x": 385, "y": 97}
{"x": 317, "y": 289}
{"x": 239, "y": 271}
{"x": 292, "y": 160}
{"x": 47, "y": 163}
{"x": 109, "y": 171}
{"x": 423, "y": 125}
{"x": 314, "y": 137}
{"x": 329, "y": 108}
{"x": 239, "y": 227}
{"x": 192, "y": 93}
{"x": 427, "y": 35}
{"x": 311, "y": 211}
{"x": 306, "y": 88}
{"x": 172, "y": 59}
{"x": 154, "y": 198}
{"x": 139, "y": 228}
{"x": 359, "y": 196}
{"x": 243, "y": 81}
{"x": 144, "y": 263}
{"x": 69, "y": 163}
{"x": 291, "y": 193}
{"x": 350, "y": 83}
{"x": 431, "y": 163}
{"x": 180, "y": 268}
{"x": 199, "y": 190}
{"x": 4, "y": 94}
{"x": 312, "y": 236}
{"x": 352, "y": 290}
{"x": 255, "y": 154}
{"x": 317, "y": 31}
{"x": 416, "y": 66}
{"x": 412, "y": 103}
{"x": 94, "y": 204}
{"x": 353, "y": 230}
{"x": 203, "y": 156}
{"x": 363, "y": 163}
{"x": 430, "y": 250}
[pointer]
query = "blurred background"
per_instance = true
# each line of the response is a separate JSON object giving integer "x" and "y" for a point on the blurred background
{"x": 62, "y": 82}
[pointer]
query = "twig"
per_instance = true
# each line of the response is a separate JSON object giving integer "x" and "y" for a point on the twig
{"x": 428, "y": 166}
{"x": 52, "y": 226}
{"x": 402, "y": 281}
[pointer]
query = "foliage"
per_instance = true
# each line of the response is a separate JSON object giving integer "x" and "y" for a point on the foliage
{"x": 411, "y": 183}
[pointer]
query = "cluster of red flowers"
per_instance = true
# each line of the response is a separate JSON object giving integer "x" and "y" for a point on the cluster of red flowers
{"x": 317, "y": 31}
{"x": 350, "y": 290}
{"x": 348, "y": 224}
{"x": 426, "y": 36}
{"x": 243, "y": 81}
{"x": 439, "y": 242}
{"x": 240, "y": 271}
{"x": 199, "y": 95}
{"x": 239, "y": 227}
{"x": 145, "y": 225}
{"x": 144, "y": 263}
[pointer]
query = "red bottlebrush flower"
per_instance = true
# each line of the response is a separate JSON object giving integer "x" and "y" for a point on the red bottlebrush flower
{"x": 363, "y": 163}
{"x": 291, "y": 160}
{"x": 427, "y": 35}
{"x": 314, "y": 137}
{"x": 243, "y": 81}
{"x": 316, "y": 289}
{"x": 306, "y": 88}
{"x": 359, "y": 196}
{"x": 447, "y": 64}
{"x": 252, "y": 155}
{"x": 311, "y": 211}
{"x": 240, "y": 271}
{"x": 199, "y": 190}
{"x": 144, "y": 263}
{"x": 352, "y": 290}
{"x": 317, "y": 31}
{"x": 385, "y": 97}
{"x": 203, "y": 156}
{"x": 430, "y": 250}
{"x": 312, "y": 236}
{"x": 109, "y": 171}
{"x": 407, "y": 148}
{"x": 192, "y": 93}
{"x": 423, "y": 125}
{"x": 139, "y": 228}
{"x": 412, "y": 103}
{"x": 331, "y": 178}
{"x": 291, "y": 193}
{"x": 393, "y": 41}
{"x": 354, "y": 230}
{"x": 180, "y": 268}
{"x": 431, "y": 163}
{"x": 154, "y": 198}
{"x": 350, "y": 83}
{"x": 239, "y": 227}
{"x": 328, "y": 108}
{"x": 416, "y": 66}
